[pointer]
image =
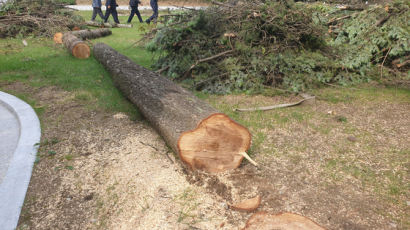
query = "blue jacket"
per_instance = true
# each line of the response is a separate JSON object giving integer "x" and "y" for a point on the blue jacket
{"x": 97, "y": 3}
{"x": 134, "y": 2}
{"x": 112, "y": 3}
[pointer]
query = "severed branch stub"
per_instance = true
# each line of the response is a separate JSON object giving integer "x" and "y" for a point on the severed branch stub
{"x": 204, "y": 138}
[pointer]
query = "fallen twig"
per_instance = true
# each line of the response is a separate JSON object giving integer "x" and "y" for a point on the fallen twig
{"x": 265, "y": 108}
{"x": 331, "y": 21}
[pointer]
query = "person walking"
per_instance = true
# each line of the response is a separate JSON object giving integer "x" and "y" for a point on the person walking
{"x": 97, "y": 10}
{"x": 111, "y": 9}
{"x": 154, "y": 6}
{"x": 134, "y": 10}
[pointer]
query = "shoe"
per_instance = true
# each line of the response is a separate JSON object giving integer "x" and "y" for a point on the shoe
{"x": 147, "y": 21}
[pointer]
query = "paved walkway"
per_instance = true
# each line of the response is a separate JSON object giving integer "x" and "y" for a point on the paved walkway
{"x": 19, "y": 137}
{"x": 9, "y": 136}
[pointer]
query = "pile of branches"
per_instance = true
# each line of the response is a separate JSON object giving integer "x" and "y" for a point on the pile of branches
{"x": 243, "y": 46}
{"x": 36, "y": 17}
{"x": 376, "y": 36}
{"x": 249, "y": 46}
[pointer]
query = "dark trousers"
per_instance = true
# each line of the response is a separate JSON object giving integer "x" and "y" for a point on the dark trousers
{"x": 154, "y": 6}
{"x": 97, "y": 10}
{"x": 113, "y": 11}
{"x": 134, "y": 10}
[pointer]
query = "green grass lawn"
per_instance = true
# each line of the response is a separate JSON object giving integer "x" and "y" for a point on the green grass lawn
{"x": 43, "y": 63}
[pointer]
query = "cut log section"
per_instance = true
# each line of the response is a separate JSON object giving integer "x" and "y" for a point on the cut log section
{"x": 107, "y": 25}
{"x": 77, "y": 47}
{"x": 58, "y": 38}
{"x": 283, "y": 221}
{"x": 215, "y": 145}
{"x": 248, "y": 205}
{"x": 73, "y": 40}
{"x": 204, "y": 138}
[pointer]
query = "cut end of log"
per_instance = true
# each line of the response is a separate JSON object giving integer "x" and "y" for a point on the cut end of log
{"x": 81, "y": 51}
{"x": 58, "y": 38}
{"x": 215, "y": 145}
{"x": 283, "y": 221}
{"x": 248, "y": 205}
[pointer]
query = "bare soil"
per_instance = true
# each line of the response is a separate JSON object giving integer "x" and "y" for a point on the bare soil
{"x": 334, "y": 162}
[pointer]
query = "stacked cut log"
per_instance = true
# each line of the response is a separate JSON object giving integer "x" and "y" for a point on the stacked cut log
{"x": 107, "y": 25}
{"x": 204, "y": 138}
{"x": 77, "y": 47}
{"x": 74, "y": 41}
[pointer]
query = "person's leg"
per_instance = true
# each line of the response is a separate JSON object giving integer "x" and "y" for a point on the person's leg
{"x": 115, "y": 15}
{"x": 100, "y": 13}
{"x": 137, "y": 12}
{"x": 131, "y": 14}
{"x": 94, "y": 13}
{"x": 154, "y": 6}
{"x": 107, "y": 14}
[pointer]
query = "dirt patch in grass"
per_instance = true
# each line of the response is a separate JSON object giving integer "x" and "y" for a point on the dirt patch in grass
{"x": 343, "y": 162}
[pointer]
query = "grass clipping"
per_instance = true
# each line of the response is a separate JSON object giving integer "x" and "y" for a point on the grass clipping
{"x": 251, "y": 45}
{"x": 38, "y": 18}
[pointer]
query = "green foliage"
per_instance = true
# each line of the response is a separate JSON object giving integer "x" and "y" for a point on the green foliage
{"x": 279, "y": 44}
{"x": 363, "y": 43}
{"x": 266, "y": 52}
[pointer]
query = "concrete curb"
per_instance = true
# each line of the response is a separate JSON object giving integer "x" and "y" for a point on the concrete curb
{"x": 16, "y": 180}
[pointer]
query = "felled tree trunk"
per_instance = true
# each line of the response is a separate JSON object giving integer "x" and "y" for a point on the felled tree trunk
{"x": 204, "y": 138}
{"x": 107, "y": 25}
{"x": 77, "y": 47}
{"x": 91, "y": 34}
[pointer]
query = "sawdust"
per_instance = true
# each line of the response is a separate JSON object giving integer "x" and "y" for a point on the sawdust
{"x": 109, "y": 172}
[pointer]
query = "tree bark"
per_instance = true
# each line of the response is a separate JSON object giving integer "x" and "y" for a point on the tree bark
{"x": 91, "y": 34}
{"x": 107, "y": 25}
{"x": 77, "y": 47}
{"x": 204, "y": 138}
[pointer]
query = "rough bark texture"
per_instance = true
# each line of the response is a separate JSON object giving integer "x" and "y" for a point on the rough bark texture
{"x": 76, "y": 46}
{"x": 107, "y": 25}
{"x": 171, "y": 109}
{"x": 91, "y": 34}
